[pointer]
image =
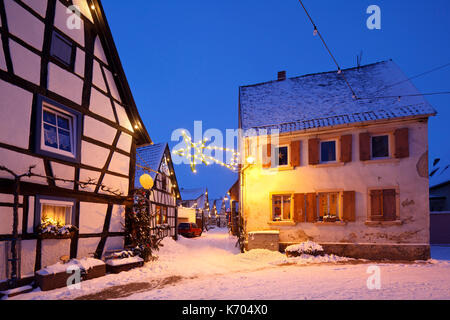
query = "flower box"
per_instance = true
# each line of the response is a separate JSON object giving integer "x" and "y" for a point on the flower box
{"x": 44, "y": 236}
{"x": 56, "y": 276}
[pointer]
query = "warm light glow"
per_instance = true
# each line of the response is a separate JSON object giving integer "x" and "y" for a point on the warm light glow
{"x": 146, "y": 181}
{"x": 250, "y": 160}
{"x": 93, "y": 7}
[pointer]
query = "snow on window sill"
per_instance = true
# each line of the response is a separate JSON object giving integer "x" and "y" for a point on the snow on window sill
{"x": 384, "y": 223}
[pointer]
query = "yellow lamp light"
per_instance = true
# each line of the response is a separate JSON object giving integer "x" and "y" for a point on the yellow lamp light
{"x": 146, "y": 181}
{"x": 251, "y": 160}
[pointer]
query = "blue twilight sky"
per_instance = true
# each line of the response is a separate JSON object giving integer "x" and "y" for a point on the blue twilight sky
{"x": 185, "y": 60}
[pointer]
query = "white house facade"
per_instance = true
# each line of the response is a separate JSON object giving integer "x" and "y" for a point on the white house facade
{"x": 349, "y": 174}
{"x": 68, "y": 111}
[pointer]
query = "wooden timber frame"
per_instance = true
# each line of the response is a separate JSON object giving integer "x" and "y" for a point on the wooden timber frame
{"x": 30, "y": 191}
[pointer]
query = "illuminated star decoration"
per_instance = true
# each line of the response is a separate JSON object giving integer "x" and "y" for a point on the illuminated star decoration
{"x": 194, "y": 152}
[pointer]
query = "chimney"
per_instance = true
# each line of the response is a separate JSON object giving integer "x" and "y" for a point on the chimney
{"x": 281, "y": 75}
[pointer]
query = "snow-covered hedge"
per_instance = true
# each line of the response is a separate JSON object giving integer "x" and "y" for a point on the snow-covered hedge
{"x": 308, "y": 247}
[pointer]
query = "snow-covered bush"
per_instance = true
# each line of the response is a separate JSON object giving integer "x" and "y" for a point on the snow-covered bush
{"x": 308, "y": 247}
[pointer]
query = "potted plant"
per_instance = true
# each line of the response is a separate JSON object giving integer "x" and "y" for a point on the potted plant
{"x": 50, "y": 229}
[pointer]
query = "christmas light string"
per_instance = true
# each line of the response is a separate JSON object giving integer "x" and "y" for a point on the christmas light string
{"x": 195, "y": 153}
{"x": 317, "y": 32}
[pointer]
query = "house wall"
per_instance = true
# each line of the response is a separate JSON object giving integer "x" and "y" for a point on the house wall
{"x": 404, "y": 174}
{"x": 107, "y": 134}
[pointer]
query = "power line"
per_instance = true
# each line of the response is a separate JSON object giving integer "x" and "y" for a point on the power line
{"x": 406, "y": 95}
{"x": 316, "y": 31}
{"x": 414, "y": 77}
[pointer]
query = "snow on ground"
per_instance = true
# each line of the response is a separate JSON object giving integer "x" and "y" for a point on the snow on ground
{"x": 211, "y": 267}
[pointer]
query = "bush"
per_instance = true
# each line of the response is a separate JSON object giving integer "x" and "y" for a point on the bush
{"x": 308, "y": 247}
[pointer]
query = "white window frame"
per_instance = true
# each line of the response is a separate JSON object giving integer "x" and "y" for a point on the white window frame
{"x": 389, "y": 146}
{"x": 56, "y": 203}
{"x": 335, "y": 150}
{"x": 72, "y": 124}
{"x": 276, "y": 155}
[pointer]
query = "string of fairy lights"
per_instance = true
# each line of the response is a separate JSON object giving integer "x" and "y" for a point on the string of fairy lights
{"x": 194, "y": 152}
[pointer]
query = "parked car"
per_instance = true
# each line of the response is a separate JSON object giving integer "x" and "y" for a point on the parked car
{"x": 189, "y": 230}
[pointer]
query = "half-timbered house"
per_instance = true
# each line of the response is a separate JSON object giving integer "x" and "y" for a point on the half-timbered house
{"x": 350, "y": 174}
{"x": 156, "y": 161}
{"x": 68, "y": 111}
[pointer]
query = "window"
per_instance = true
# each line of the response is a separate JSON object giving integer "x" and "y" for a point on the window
{"x": 57, "y": 129}
{"x": 380, "y": 146}
{"x": 329, "y": 206}
{"x": 54, "y": 211}
{"x": 383, "y": 205}
{"x": 327, "y": 151}
{"x": 63, "y": 50}
{"x": 281, "y": 208}
{"x": 282, "y": 154}
{"x": 58, "y": 132}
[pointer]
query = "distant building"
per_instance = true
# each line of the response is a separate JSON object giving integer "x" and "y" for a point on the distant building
{"x": 440, "y": 202}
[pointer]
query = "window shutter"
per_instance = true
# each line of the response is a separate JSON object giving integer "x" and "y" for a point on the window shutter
{"x": 299, "y": 207}
{"x": 349, "y": 206}
{"x": 323, "y": 204}
{"x": 402, "y": 143}
{"x": 389, "y": 205}
{"x": 311, "y": 207}
{"x": 376, "y": 205}
{"x": 295, "y": 154}
{"x": 346, "y": 148}
{"x": 267, "y": 156}
{"x": 313, "y": 151}
{"x": 364, "y": 146}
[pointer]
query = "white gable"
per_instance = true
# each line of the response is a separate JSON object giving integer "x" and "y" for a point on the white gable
{"x": 97, "y": 77}
{"x": 61, "y": 17}
{"x": 123, "y": 117}
{"x": 112, "y": 84}
{"x": 2, "y": 58}
{"x": 98, "y": 51}
{"x": 24, "y": 25}
{"x": 26, "y": 64}
{"x": 39, "y": 6}
{"x": 16, "y": 104}
{"x": 101, "y": 105}
{"x": 84, "y": 8}
{"x": 65, "y": 83}
{"x": 79, "y": 62}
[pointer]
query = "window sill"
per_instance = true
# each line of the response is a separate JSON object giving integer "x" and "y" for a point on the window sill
{"x": 383, "y": 223}
{"x": 284, "y": 168}
{"x": 282, "y": 223}
{"x": 337, "y": 223}
{"x": 328, "y": 165}
{"x": 381, "y": 161}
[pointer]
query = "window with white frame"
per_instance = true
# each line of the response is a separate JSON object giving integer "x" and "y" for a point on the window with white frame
{"x": 57, "y": 213}
{"x": 328, "y": 151}
{"x": 58, "y": 131}
{"x": 281, "y": 207}
{"x": 63, "y": 50}
{"x": 282, "y": 156}
{"x": 380, "y": 146}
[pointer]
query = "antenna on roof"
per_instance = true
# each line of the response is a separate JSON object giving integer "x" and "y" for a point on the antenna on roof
{"x": 359, "y": 59}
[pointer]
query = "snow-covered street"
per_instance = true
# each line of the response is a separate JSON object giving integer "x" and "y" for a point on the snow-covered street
{"x": 211, "y": 267}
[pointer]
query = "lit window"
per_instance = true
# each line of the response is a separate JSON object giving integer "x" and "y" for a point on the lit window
{"x": 57, "y": 213}
{"x": 328, "y": 151}
{"x": 282, "y": 154}
{"x": 62, "y": 50}
{"x": 281, "y": 208}
{"x": 329, "y": 206}
{"x": 380, "y": 146}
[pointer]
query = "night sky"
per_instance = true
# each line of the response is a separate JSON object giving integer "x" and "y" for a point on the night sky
{"x": 185, "y": 60}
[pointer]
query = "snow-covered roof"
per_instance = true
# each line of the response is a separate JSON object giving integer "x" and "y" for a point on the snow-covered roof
{"x": 324, "y": 99}
{"x": 149, "y": 156}
{"x": 440, "y": 171}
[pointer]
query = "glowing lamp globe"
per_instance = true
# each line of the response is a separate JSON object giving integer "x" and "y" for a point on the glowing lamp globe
{"x": 146, "y": 181}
